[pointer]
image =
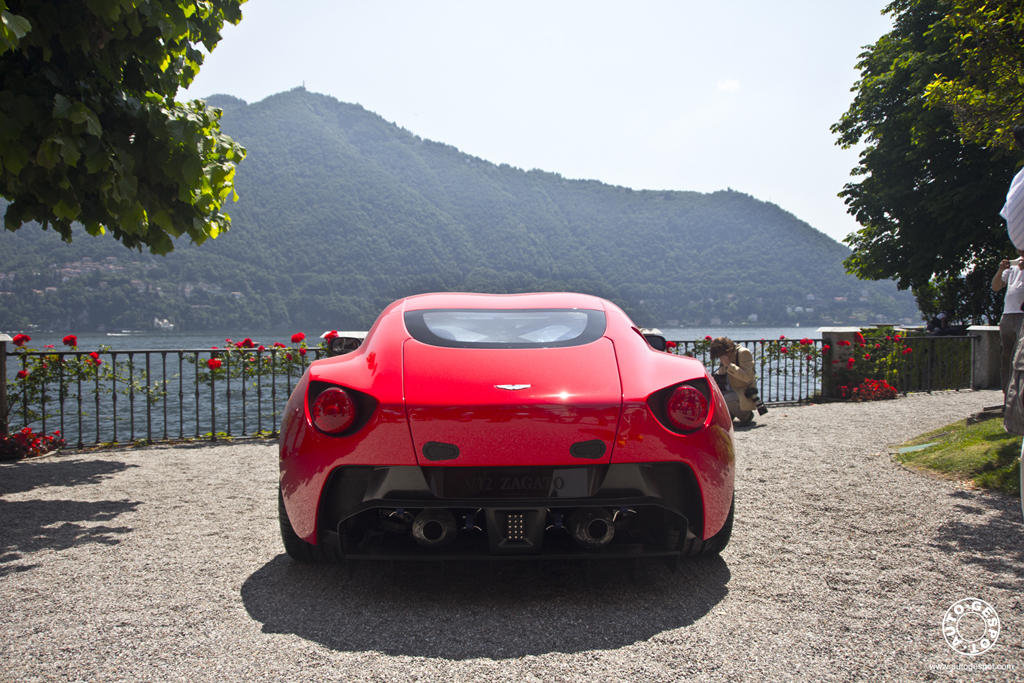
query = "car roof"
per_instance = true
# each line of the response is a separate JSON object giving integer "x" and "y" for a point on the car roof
{"x": 499, "y": 301}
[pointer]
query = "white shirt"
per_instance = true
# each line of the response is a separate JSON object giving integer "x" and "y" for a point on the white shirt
{"x": 1013, "y": 211}
{"x": 1014, "y": 279}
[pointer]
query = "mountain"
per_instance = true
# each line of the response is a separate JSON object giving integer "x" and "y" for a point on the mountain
{"x": 342, "y": 212}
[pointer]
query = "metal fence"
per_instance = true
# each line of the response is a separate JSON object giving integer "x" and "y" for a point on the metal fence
{"x": 152, "y": 395}
{"x": 937, "y": 364}
{"x": 788, "y": 370}
{"x": 795, "y": 371}
{"x": 165, "y": 395}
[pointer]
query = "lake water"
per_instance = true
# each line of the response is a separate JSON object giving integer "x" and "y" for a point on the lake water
{"x": 157, "y": 339}
{"x": 187, "y": 404}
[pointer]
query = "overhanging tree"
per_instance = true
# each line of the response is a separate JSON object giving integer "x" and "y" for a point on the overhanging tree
{"x": 928, "y": 201}
{"x": 90, "y": 131}
{"x": 987, "y": 98}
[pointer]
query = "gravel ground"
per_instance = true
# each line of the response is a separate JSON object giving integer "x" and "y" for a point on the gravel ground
{"x": 165, "y": 564}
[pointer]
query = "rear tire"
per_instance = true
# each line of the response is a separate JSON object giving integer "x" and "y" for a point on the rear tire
{"x": 298, "y": 549}
{"x": 696, "y": 548}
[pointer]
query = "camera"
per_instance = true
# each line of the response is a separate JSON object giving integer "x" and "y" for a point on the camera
{"x": 751, "y": 393}
{"x": 721, "y": 380}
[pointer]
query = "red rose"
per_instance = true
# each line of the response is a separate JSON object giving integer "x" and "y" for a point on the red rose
{"x": 810, "y": 357}
{"x": 302, "y": 352}
{"x": 227, "y": 341}
{"x": 867, "y": 356}
{"x": 247, "y": 343}
{"x": 20, "y": 339}
{"x": 48, "y": 346}
{"x": 213, "y": 363}
{"x": 288, "y": 356}
{"x": 22, "y": 374}
{"x": 298, "y": 337}
{"x": 261, "y": 348}
{"x": 849, "y": 363}
{"x": 844, "y": 343}
{"x": 784, "y": 350}
{"x": 878, "y": 346}
{"x": 859, "y": 337}
{"x": 213, "y": 347}
{"x": 70, "y": 340}
{"x": 278, "y": 345}
{"x": 782, "y": 337}
{"x": 707, "y": 337}
{"x": 330, "y": 335}
{"x": 671, "y": 344}
{"x": 826, "y": 347}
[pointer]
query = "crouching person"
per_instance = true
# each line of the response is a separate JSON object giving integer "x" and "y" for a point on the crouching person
{"x": 735, "y": 377}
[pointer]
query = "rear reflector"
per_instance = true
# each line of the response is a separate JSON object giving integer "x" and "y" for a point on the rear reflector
{"x": 333, "y": 411}
{"x": 687, "y": 408}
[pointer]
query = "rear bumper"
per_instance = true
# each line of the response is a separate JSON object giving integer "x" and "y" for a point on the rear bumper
{"x": 371, "y": 512}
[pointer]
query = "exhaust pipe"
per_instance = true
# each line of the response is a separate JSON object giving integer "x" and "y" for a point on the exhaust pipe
{"x": 591, "y": 528}
{"x": 434, "y": 529}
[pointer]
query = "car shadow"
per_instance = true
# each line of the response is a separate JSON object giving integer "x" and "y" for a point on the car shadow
{"x": 478, "y": 609}
{"x": 33, "y": 525}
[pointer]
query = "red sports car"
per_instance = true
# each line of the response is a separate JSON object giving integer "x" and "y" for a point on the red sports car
{"x": 478, "y": 425}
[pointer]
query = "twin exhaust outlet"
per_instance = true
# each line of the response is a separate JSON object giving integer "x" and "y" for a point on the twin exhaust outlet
{"x": 591, "y": 528}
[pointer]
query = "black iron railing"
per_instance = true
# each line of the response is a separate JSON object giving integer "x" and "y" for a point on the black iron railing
{"x": 788, "y": 370}
{"x": 935, "y": 364}
{"x": 152, "y": 395}
{"x": 166, "y": 395}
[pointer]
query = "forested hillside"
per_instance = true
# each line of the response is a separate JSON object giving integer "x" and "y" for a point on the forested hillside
{"x": 342, "y": 212}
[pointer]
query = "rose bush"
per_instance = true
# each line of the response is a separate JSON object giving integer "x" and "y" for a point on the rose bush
{"x": 25, "y": 444}
{"x": 878, "y": 358}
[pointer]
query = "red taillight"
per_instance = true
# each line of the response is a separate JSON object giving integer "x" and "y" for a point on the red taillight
{"x": 687, "y": 408}
{"x": 333, "y": 411}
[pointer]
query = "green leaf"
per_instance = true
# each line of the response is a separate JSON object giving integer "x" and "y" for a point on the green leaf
{"x": 18, "y": 25}
{"x": 61, "y": 106}
{"x": 65, "y": 211}
{"x": 14, "y": 156}
{"x": 70, "y": 154}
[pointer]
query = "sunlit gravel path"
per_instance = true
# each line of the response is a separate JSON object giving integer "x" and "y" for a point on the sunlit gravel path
{"x": 164, "y": 564}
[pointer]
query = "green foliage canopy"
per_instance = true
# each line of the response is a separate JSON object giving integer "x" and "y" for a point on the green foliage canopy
{"x": 928, "y": 202}
{"x": 89, "y": 127}
{"x": 987, "y": 98}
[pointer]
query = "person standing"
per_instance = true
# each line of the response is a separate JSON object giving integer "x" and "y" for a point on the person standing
{"x": 1012, "y": 278}
{"x": 1013, "y": 212}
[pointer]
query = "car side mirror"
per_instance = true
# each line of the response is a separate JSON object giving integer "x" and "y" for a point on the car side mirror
{"x": 656, "y": 341}
{"x": 339, "y": 346}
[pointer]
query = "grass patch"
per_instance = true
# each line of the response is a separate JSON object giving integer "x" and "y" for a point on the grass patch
{"x": 982, "y": 453}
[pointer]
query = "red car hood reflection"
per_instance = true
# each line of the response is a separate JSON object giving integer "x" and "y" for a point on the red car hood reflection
{"x": 552, "y": 400}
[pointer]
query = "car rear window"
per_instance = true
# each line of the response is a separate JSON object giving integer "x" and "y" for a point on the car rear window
{"x": 506, "y": 329}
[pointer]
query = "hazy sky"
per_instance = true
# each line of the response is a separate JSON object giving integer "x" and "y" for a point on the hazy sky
{"x": 650, "y": 95}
